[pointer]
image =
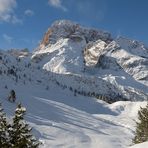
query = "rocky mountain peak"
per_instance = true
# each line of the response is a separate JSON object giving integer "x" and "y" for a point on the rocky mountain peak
{"x": 68, "y": 29}
{"x": 91, "y": 59}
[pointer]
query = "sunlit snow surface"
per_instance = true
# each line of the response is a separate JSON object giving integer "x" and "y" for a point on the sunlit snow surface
{"x": 60, "y": 119}
{"x": 85, "y": 60}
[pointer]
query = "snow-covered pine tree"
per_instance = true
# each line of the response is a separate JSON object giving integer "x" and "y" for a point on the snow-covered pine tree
{"x": 20, "y": 133}
{"x": 141, "y": 134}
{"x": 4, "y": 137}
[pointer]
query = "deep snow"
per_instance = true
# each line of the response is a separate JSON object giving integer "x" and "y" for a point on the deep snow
{"x": 73, "y": 60}
{"x": 60, "y": 119}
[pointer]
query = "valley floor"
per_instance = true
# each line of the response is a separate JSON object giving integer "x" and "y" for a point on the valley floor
{"x": 62, "y": 120}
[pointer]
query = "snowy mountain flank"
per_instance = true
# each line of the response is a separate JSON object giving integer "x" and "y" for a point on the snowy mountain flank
{"x": 82, "y": 88}
{"x": 93, "y": 63}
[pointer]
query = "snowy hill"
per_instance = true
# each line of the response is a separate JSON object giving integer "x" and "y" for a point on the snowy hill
{"x": 60, "y": 119}
{"x": 63, "y": 82}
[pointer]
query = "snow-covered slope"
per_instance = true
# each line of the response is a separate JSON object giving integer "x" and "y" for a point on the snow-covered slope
{"x": 60, "y": 119}
{"x": 141, "y": 145}
{"x": 93, "y": 57}
{"x": 86, "y": 61}
{"x": 64, "y": 80}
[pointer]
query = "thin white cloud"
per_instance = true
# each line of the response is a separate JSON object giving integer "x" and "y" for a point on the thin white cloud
{"x": 7, "y": 11}
{"x": 7, "y": 38}
{"x": 57, "y": 4}
{"x": 15, "y": 20}
{"x": 91, "y": 11}
{"x": 29, "y": 12}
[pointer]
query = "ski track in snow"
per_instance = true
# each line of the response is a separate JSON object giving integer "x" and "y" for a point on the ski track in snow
{"x": 60, "y": 119}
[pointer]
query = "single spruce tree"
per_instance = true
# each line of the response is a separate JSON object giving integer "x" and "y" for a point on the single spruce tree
{"x": 20, "y": 133}
{"x": 4, "y": 137}
{"x": 141, "y": 134}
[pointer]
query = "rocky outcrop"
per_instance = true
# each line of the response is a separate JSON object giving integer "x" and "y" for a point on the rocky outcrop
{"x": 68, "y": 29}
{"x": 73, "y": 52}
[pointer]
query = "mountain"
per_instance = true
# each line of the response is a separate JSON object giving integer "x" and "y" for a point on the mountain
{"x": 93, "y": 63}
{"x": 63, "y": 81}
{"x": 84, "y": 60}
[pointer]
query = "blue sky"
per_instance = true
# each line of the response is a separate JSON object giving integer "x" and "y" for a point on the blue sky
{"x": 24, "y": 22}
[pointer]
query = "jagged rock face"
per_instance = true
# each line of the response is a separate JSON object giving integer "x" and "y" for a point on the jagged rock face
{"x": 46, "y": 37}
{"x": 132, "y": 46}
{"x": 87, "y": 61}
{"x": 73, "y": 52}
{"x": 68, "y": 29}
{"x": 19, "y": 52}
{"x": 132, "y": 56}
{"x": 93, "y": 52}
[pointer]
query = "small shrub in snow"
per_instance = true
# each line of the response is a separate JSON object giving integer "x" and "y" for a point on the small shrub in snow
{"x": 12, "y": 96}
